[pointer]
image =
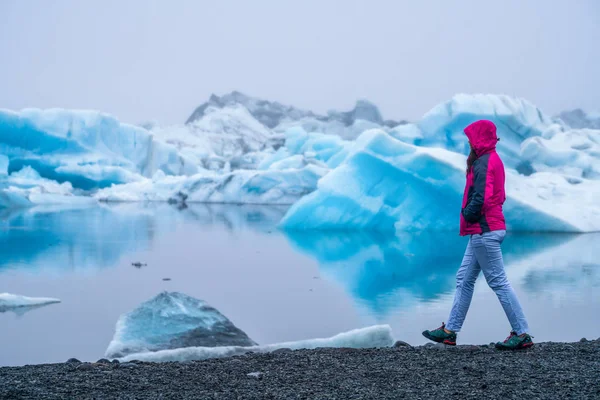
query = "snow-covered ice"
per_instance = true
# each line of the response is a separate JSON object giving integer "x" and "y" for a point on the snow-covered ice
{"x": 173, "y": 320}
{"x": 223, "y": 136}
{"x": 373, "y": 336}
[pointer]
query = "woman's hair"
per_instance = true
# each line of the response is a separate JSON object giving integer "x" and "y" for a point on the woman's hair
{"x": 471, "y": 159}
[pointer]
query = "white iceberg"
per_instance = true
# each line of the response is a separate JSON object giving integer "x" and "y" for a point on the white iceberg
{"x": 275, "y": 186}
{"x": 228, "y": 135}
{"x": 12, "y": 302}
{"x": 373, "y": 336}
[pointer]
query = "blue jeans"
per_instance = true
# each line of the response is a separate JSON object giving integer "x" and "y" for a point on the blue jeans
{"x": 483, "y": 253}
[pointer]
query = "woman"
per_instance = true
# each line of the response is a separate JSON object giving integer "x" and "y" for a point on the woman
{"x": 482, "y": 219}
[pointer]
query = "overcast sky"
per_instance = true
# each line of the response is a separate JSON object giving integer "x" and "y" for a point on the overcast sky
{"x": 157, "y": 60}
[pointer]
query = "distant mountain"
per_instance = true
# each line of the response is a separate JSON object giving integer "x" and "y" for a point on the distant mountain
{"x": 579, "y": 119}
{"x": 271, "y": 114}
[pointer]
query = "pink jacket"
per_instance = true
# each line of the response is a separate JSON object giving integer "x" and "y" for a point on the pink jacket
{"x": 484, "y": 192}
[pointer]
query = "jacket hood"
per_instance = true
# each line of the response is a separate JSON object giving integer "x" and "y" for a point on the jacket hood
{"x": 482, "y": 135}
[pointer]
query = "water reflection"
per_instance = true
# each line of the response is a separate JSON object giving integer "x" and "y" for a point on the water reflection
{"x": 21, "y": 311}
{"x": 386, "y": 273}
{"x": 97, "y": 237}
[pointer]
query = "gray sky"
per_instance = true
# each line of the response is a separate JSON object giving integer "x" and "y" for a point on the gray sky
{"x": 157, "y": 60}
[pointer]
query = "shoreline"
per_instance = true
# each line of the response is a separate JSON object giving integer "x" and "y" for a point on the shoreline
{"x": 548, "y": 370}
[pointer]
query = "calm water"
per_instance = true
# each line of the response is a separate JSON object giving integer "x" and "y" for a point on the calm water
{"x": 275, "y": 287}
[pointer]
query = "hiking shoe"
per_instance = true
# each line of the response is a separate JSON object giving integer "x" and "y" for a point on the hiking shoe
{"x": 515, "y": 342}
{"x": 439, "y": 335}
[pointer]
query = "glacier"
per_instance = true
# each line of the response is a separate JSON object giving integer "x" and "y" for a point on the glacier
{"x": 173, "y": 320}
{"x": 369, "y": 337}
{"x": 239, "y": 149}
{"x": 19, "y": 304}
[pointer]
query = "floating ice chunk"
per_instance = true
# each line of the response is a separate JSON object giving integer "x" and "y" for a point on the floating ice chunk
{"x": 173, "y": 320}
{"x": 374, "y": 336}
{"x": 388, "y": 185}
{"x": 11, "y": 302}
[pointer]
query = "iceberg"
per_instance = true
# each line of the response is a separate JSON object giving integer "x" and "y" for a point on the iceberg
{"x": 239, "y": 149}
{"x": 270, "y": 114}
{"x": 223, "y": 136}
{"x": 373, "y": 336}
{"x": 278, "y": 187}
{"x": 279, "y": 117}
{"x": 515, "y": 119}
{"x": 88, "y": 149}
{"x": 18, "y": 303}
{"x": 574, "y": 153}
{"x": 26, "y": 188}
{"x": 388, "y": 185}
{"x": 579, "y": 119}
{"x": 303, "y": 148}
{"x": 171, "y": 321}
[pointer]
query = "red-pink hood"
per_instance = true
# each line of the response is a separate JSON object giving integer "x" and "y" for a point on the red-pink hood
{"x": 482, "y": 135}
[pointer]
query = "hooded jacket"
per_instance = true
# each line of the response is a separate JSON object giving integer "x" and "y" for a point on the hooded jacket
{"x": 484, "y": 191}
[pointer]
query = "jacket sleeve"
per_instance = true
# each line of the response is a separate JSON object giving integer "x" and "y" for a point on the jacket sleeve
{"x": 472, "y": 211}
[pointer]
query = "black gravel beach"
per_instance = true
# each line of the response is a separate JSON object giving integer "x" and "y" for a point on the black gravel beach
{"x": 549, "y": 370}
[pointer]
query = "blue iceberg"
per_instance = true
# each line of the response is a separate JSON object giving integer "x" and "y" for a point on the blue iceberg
{"x": 388, "y": 185}
{"x": 88, "y": 149}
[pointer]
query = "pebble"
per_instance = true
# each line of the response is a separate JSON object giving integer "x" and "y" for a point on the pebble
{"x": 400, "y": 343}
{"x": 73, "y": 361}
{"x": 382, "y": 374}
